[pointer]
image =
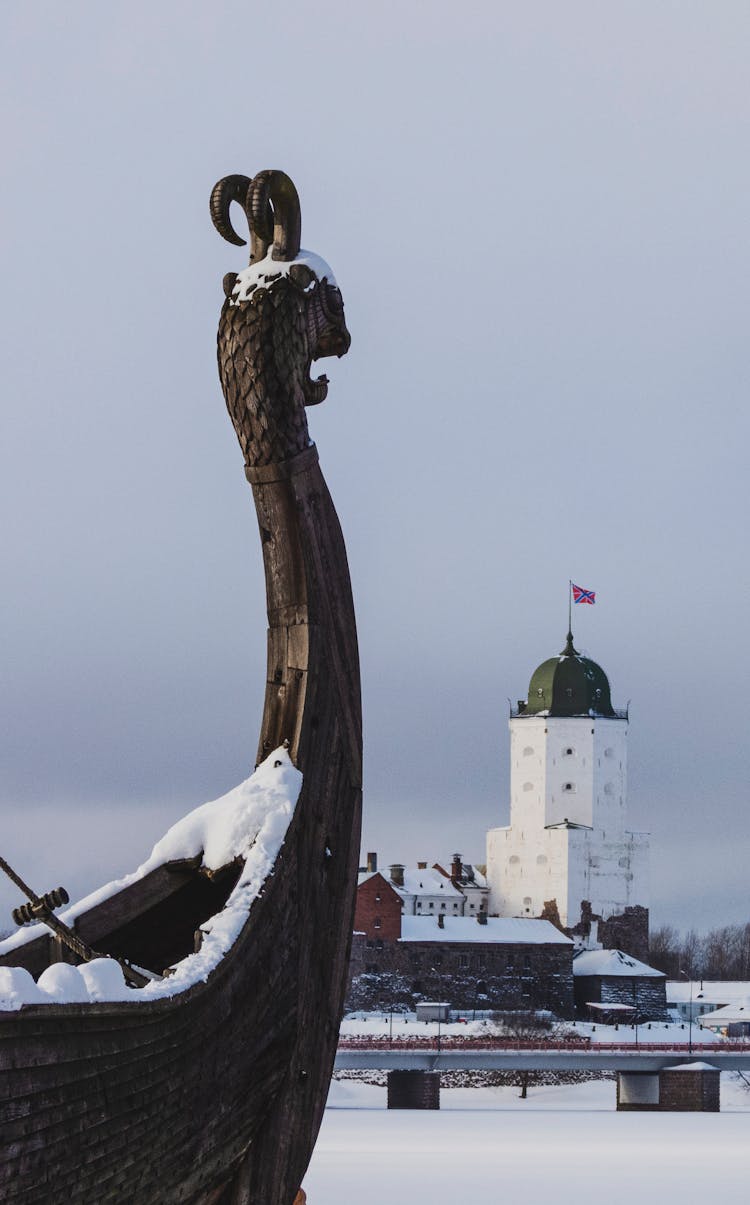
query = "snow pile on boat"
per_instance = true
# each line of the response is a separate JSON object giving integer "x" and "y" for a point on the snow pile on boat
{"x": 249, "y": 822}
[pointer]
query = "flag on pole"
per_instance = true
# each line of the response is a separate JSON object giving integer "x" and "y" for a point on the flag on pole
{"x": 583, "y": 596}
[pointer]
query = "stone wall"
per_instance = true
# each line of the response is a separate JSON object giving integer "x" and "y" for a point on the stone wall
{"x": 689, "y": 1091}
{"x": 627, "y": 931}
{"x": 413, "y": 1089}
{"x": 469, "y": 975}
{"x": 646, "y": 993}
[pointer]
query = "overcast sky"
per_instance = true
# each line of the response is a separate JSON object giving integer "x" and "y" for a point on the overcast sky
{"x": 537, "y": 213}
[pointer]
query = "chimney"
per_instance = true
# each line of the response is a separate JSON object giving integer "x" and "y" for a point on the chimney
{"x": 372, "y": 863}
{"x": 456, "y": 870}
{"x": 397, "y": 874}
{"x": 441, "y": 920}
{"x": 481, "y": 918}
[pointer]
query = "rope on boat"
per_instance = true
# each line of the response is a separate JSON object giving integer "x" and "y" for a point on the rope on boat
{"x": 40, "y": 908}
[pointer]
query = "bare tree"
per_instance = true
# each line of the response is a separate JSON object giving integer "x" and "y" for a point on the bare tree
{"x": 524, "y": 1025}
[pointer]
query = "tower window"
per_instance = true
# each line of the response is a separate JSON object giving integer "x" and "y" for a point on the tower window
{"x": 528, "y": 786}
{"x": 540, "y": 692}
{"x": 541, "y": 860}
{"x": 528, "y": 751}
{"x": 569, "y": 752}
{"x": 569, "y": 691}
{"x": 569, "y": 787}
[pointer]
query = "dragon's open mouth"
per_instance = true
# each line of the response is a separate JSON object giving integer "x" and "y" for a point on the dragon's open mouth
{"x": 315, "y": 389}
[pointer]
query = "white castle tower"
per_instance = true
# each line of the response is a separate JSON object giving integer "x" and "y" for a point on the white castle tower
{"x": 567, "y": 840}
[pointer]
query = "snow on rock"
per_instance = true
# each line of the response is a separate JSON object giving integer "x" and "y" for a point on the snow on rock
{"x": 104, "y": 980}
{"x": 17, "y": 988}
{"x": 265, "y": 272}
{"x": 63, "y": 984}
{"x": 249, "y": 822}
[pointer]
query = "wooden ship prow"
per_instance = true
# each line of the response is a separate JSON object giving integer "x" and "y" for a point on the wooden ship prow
{"x": 212, "y": 1093}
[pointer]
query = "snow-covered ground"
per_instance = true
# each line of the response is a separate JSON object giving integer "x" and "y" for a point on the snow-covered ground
{"x": 564, "y": 1145}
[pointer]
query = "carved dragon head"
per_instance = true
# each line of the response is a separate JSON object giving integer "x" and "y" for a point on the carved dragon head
{"x": 281, "y": 313}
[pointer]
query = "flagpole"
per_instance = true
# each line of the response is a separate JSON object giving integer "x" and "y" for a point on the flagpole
{"x": 570, "y": 606}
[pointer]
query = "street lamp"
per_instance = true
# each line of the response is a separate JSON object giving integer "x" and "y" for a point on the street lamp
{"x": 435, "y": 971}
{"x": 690, "y": 1029}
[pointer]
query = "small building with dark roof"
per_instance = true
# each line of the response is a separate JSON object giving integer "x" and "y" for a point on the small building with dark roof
{"x": 612, "y": 986}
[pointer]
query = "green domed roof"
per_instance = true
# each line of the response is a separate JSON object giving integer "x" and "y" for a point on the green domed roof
{"x": 569, "y": 685}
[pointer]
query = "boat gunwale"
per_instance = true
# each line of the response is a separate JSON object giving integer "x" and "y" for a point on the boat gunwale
{"x": 109, "y": 1008}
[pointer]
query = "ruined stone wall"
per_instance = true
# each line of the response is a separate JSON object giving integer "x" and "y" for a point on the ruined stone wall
{"x": 469, "y": 975}
{"x": 627, "y": 931}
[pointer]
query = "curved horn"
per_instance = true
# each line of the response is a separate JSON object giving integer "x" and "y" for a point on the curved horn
{"x": 276, "y": 188}
{"x": 260, "y": 217}
{"x": 230, "y": 188}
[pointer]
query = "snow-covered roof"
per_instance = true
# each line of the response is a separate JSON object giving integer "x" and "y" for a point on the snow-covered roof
{"x": 612, "y": 962}
{"x": 471, "y": 877}
{"x": 610, "y": 1008}
{"x": 713, "y": 991}
{"x": 729, "y": 1014}
{"x": 426, "y": 882}
{"x": 507, "y": 930}
{"x": 692, "y": 1067}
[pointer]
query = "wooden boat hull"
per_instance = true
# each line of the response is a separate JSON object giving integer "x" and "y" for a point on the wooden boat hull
{"x": 216, "y": 1095}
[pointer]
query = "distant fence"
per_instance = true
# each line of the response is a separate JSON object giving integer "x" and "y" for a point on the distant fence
{"x": 488, "y": 1043}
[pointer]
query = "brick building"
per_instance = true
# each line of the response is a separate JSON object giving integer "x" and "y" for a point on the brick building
{"x": 428, "y": 890}
{"x": 378, "y": 914}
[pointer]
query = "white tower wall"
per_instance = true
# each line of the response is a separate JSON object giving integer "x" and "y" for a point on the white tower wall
{"x": 567, "y": 840}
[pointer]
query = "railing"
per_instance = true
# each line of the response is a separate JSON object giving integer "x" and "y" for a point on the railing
{"x": 618, "y": 713}
{"x": 383, "y": 1042}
